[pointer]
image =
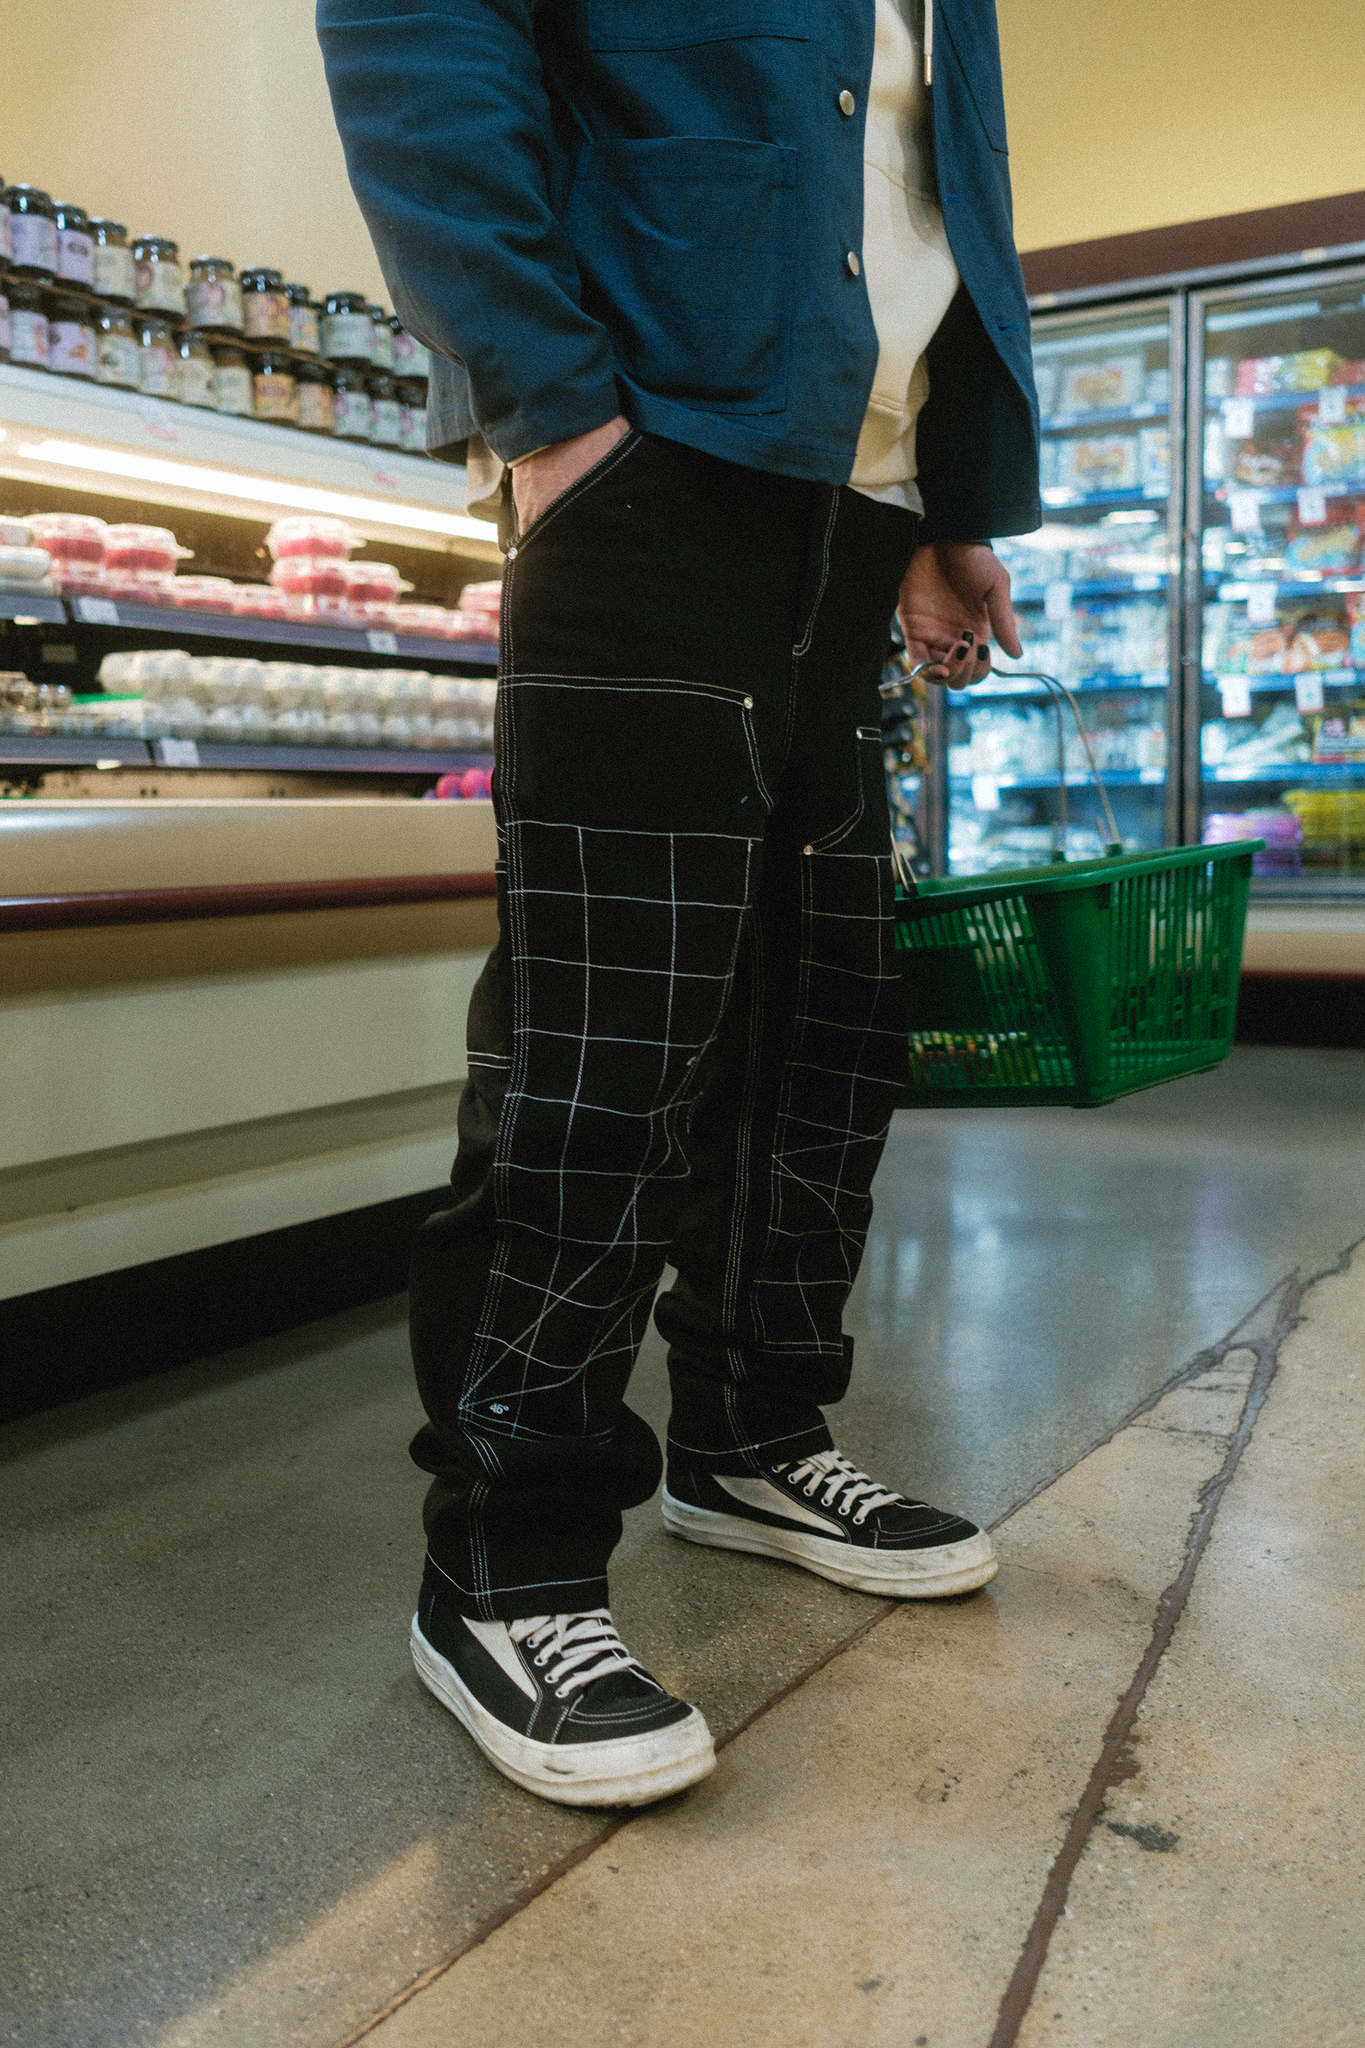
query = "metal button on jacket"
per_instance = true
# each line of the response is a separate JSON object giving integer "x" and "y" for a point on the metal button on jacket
{"x": 847, "y": 103}
{"x": 853, "y": 266}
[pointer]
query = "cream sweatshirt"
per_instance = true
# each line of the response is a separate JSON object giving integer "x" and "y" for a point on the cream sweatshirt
{"x": 907, "y": 265}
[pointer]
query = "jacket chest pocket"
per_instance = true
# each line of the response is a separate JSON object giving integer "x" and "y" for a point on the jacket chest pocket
{"x": 685, "y": 250}
{"x": 679, "y": 24}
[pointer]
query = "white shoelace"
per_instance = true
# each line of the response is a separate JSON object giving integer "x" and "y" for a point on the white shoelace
{"x": 584, "y": 1647}
{"x": 839, "y": 1475}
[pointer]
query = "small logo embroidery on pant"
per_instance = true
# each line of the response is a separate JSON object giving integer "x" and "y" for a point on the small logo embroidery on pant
{"x": 499, "y": 1408}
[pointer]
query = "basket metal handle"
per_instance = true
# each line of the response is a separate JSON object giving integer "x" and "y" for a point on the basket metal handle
{"x": 1057, "y": 690}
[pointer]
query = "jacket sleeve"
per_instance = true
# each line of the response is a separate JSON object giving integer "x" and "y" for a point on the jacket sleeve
{"x": 446, "y": 125}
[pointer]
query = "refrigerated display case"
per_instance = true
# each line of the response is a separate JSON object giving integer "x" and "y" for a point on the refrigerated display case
{"x": 1096, "y": 596}
{"x": 1275, "y": 591}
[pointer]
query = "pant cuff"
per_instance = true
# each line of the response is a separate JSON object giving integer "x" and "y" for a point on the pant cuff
{"x": 550, "y": 1595}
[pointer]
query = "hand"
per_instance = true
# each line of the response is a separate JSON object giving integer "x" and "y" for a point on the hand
{"x": 547, "y": 474}
{"x": 955, "y": 594}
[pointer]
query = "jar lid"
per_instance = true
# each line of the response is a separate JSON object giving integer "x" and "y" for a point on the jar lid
{"x": 298, "y": 294}
{"x": 263, "y": 280}
{"x": 69, "y": 216}
{"x": 211, "y": 263}
{"x": 377, "y": 313}
{"x": 157, "y": 245}
{"x": 347, "y": 302}
{"x": 105, "y": 227}
{"x": 379, "y": 384}
{"x": 308, "y": 370}
{"x": 68, "y": 305}
{"x": 31, "y": 197}
{"x": 229, "y": 352}
{"x": 151, "y": 320}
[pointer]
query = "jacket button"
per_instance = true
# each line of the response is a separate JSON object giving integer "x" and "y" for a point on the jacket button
{"x": 847, "y": 103}
{"x": 852, "y": 265}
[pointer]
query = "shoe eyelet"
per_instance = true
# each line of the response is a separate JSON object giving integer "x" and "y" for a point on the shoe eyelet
{"x": 561, "y": 1693}
{"x": 843, "y": 1511}
{"x": 810, "y": 1491}
{"x": 791, "y": 1477}
{"x": 542, "y": 1659}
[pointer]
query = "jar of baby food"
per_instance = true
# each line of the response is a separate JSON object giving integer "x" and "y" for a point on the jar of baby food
{"x": 265, "y": 306}
{"x": 305, "y": 332}
{"x": 160, "y": 367}
{"x": 232, "y": 387}
{"x": 273, "y": 386}
{"x": 118, "y": 354}
{"x": 316, "y": 406}
{"x": 197, "y": 371}
{"x": 213, "y": 297}
{"x": 353, "y": 412}
{"x": 111, "y": 260}
{"x": 347, "y": 330}
{"x": 70, "y": 335}
{"x": 32, "y": 232}
{"x": 75, "y": 248}
{"x": 158, "y": 277}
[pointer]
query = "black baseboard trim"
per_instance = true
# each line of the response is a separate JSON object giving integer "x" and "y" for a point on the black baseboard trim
{"x": 1326, "y": 1010}
{"x": 62, "y": 1343}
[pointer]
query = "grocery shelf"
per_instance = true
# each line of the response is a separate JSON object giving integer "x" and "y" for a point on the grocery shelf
{"x": 1002, "y": 684}
{"x": 1280, "y": 401}
{"x": 1056, "y": 495}
{"x": 1314, "y": 586}
{"x": 62, "y": 430}
{"x": 1076, "y": 778}
{"x": 19, "y": 604}
{"x": 1280, "y": 494}
{"x": 1330, "y": 678}
{"x": 1116, "y": 416}
{"x": 1105, "y": 586}
{"x": 147, "y": 618}
{"x": 58, "y": 751}
{"x": 1325, "y": 774}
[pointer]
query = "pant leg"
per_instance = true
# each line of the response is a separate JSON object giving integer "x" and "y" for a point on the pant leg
{"x": 645, "y": 707}
{"x": 810, "y": 1060}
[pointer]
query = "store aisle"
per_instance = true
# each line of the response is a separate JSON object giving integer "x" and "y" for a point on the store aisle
{"x": 234, "y": 1817}
{"x": 870, "y": 1861}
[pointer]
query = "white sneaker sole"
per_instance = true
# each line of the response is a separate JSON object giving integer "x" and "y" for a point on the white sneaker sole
{"x": 634, "y": 1770}
{"x": 895, "y": 1574}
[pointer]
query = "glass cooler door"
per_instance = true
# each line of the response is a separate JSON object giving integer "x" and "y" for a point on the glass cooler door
{"x": 1279, "y": 752}
{"x": 1094, "y": 593}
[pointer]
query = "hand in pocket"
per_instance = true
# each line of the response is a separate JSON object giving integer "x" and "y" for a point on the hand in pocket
{"x": 541, "y": 478}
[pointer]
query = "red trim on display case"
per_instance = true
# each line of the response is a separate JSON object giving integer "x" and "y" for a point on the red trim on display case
{"x": 1307, "y": 230}
{"x": 84, "y": 909}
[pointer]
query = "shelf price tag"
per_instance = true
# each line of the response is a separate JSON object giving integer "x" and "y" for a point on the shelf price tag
{"x": 178, "y": 753}
{"x": 1308, "y": 694}
{"x": 1332, "y": 405}
{"x": 1312, "y": 507}
{"x": 1261, "y": 602}
{"x": 985, "y": 792}
{"x": 1244, "y": 510}
{"x": 97, "y": 611}
{"x": 1239, "y": 418}
{"x": 1056, "y": 606}
{"x": 1235, "y": 692}
{"x": 382, "y": 643}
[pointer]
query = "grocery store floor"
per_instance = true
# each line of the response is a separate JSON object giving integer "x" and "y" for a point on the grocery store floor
{"x": 1074, "y": 1808}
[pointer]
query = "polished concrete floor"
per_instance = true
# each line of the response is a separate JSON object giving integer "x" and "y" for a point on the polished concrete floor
{"x": 231, "y": 1815}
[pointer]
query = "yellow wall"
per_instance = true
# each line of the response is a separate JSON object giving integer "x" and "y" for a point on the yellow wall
{"x": 208, "y": 119}
{"x": 1128, "y": 114}
{"x": 204, "y": 120}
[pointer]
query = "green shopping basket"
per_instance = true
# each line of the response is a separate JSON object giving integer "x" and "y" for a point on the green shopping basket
{"x": 1073, "y": 983}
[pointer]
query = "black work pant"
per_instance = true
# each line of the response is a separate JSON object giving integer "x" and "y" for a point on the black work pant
{"x": 689, "y": 1039}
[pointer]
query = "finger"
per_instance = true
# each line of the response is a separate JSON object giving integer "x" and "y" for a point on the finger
{"x": 1002, "y": 620}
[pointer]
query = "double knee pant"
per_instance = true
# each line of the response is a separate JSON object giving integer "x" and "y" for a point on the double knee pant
{"x": 687, "y": 1044}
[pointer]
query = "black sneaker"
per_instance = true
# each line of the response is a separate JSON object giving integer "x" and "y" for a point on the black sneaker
{"x": 558, "y": 1703}
{"x": 824, "y": 1513}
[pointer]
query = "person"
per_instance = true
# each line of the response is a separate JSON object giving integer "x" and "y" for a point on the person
{"x": 724, "y": 309}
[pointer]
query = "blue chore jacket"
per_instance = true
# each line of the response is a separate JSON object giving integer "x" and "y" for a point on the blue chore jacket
{"x": 586, "y": 207}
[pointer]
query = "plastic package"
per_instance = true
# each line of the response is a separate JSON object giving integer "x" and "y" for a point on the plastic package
{"x": 201, "y": 593}
{"x": 258, "y": 601}
{"x": 16, "y": 533}
{"x": 374, "y": 587}
{"x": 143, "y": 550}
{"x": 424, "y": 621}
{"x": 485, "y": 598}
{"x": 311, "y": 535}
{"x": 72, "y": 538}
{"x": 310, "y": 576}
{"x": 24, "y": 565}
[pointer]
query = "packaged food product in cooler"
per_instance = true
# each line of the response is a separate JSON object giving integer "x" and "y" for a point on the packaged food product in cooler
{"x": 1322, "y": 549}
{"x": 201, "y": 593}
{"x": 70, "y": 536}
{"x": 422, "y": 621}
{"x": 16, "y": 533}
{"x": 1267, "y": 464}
{"x": 1102, "y": 462}
{"x": 1340, "y": 738}
{"x": 1154, "y": 458}
{"x": 310, "y": 534}
{"x": 1104, "y": 386}
{"x": 1333, "y": 820}
{"x": 23, "y": 565}
{"x": 259, "y": 601}
{"x": 1309, "y": 369}
{"x": 1318, "y": 643}
{"x": 374, "y": 587}
{"x": 310, "y": 576}
{"x": 1334, "y": 456}
{"x": 150, "y": 550}
{"x": 1257, "y": 376}
{"x": 485, "y": 598}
